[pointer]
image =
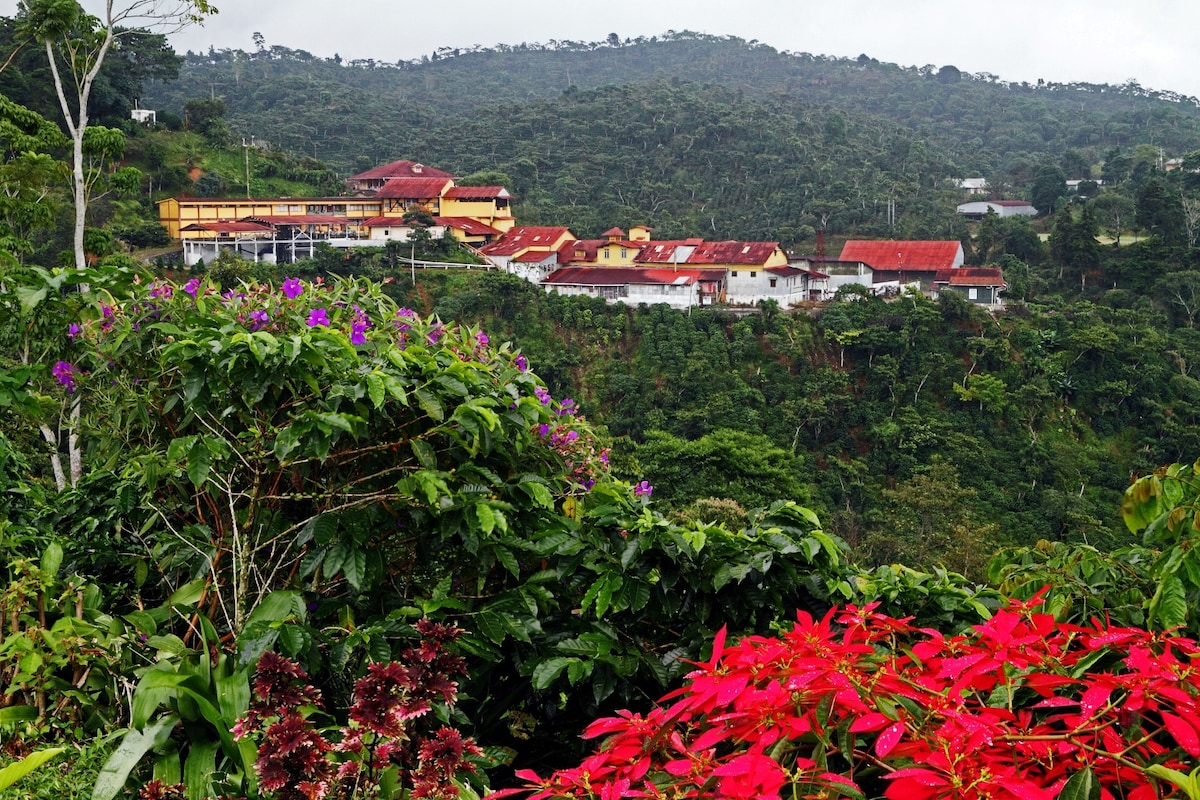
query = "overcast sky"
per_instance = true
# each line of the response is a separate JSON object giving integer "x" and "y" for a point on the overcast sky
{"x": 1155, "y": 42}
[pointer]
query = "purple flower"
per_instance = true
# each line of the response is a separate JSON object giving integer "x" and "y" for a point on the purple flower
{"x": 358, "y": 333}
{"x": 72, "y": 331}
{"x": 64, "y": 373}
{"x": 542, "y": 394}
{"x": 259, "y": 319}
{"x": 292, "y": 288}
{"x": 435, "y": 333}
{"x": 158, "y": 289}
{"x": 643, "y": 489}
{"x": 192, "y": 286}
{"x": 521, "y": 363}
{"x": 317, "y": 317}
{"x": 481, "y": 338}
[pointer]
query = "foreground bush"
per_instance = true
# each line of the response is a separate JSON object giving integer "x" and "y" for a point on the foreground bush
{"x": 859, "y": 704}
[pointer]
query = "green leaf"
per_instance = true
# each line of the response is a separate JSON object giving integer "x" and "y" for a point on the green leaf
{"x": 375, "y": 390}
{"x": 187, "y": 595}
{"x": 199, "y": 768}
{"x": 545, "y": 673}
{"x": 507, "y": 559}
{"x": 134, "y": 745}
{"x": 52, "y": 559}
{"x": 430, "y": 405}
{"x": 17, "y": 714}
{"x": 425, "y": 454}
{"x": 15, "y": 771}
{"x": 1081, "y": 786}
{"x": 355, "y": 567}
{"x": 487, "y": 520}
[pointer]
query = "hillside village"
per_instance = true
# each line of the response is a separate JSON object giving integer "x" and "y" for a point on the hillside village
{"x": 385, "y": 205}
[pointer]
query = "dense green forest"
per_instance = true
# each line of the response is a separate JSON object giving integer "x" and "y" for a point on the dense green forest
{"x": 334, "y": 527}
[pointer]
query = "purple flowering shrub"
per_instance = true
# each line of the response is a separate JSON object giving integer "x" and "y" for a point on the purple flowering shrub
{"x": 306, "y": 429}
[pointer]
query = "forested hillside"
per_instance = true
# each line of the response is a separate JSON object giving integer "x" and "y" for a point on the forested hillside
{"x": 691, "y": 134}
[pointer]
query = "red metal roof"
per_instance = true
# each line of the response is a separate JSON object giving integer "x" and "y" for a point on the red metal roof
{"x": 663, "y": 252}
{"x": 467, "y": 225}
{"x": 613, "y": 232}
{"x": 750, "y": 253}
{"x": 624, "y": 276}
{"x": 534, "y": 256}
{"x": 400, "y": 169}
{"x": 903, "y": 255}
{"x": 971, "y": 276}
{"x": 228, "y": 227}
{"x": 519, "y": 239}
{"x": 477, "y": 192}
{"x": 380, "y": 222}
{"x": 414, "y": 188}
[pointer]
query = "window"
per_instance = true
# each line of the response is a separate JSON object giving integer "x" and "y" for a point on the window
{"x": 733, "y": 274}
{"x": 753, "y": 274}
{"x": 607, "y": 253}
{"x": 624, "y": 253}
{"x": 972, "y": 293}
{"x": 773, "y": 283}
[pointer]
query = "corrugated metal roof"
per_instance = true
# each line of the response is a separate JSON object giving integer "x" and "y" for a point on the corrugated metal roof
{"x": 519, "y": 239}
{"x": 477, "y": 192}
{"x": 905, "y": 255}
{"x": 414, "y": 188}
{"x": 971, "y": 276}
{"x": 467, "y": 225}
{"x": 732, "y": 252}
{"x": 400, "y": 169}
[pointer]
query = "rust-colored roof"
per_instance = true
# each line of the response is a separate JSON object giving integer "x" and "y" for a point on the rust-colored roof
{"x": 228, "y": 227}
{"x": 902, "y": 255}
{"x": 971, "y": 276}
{"x": 467, "y": 225}
{"x": 624, "y": 276}
{"x": 519, "y": 239}
{"x": 614, "y": 232}
{"x": 750, "y": 253}
{"x": 534, "y": 256}
{"x": 477, "y": 193}
{"x": 414, "y": 188}
{"x": 664, "y": 252}
{"x": 400, "y": 169}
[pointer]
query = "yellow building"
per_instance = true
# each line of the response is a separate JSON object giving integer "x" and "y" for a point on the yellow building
{"x": 285, "y": 228}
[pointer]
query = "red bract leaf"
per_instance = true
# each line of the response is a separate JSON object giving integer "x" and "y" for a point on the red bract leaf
{"x": 918, "y": 775}
{"x": 869, "y": 722}
{"x": 888, "y": 740}
{"x": 718, "y": 648}
{"x": 1183, "y": 733}
{"x": 1094, "y": 698}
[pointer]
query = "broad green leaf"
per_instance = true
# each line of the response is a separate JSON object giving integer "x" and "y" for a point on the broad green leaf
{"x": 1081, "y": 786}
{"x": 487, "y": 520}
{"x": 430, "y": 405}
{"x": 134, "y": 745}
{"x": 187, "y": 595}
{"x": 545, "y": 673}
{"x": 199, "y": 768}
{"x": 52, "y": 559}
{"x": 17, "y": 714}
{"x": 17, "y": 770}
